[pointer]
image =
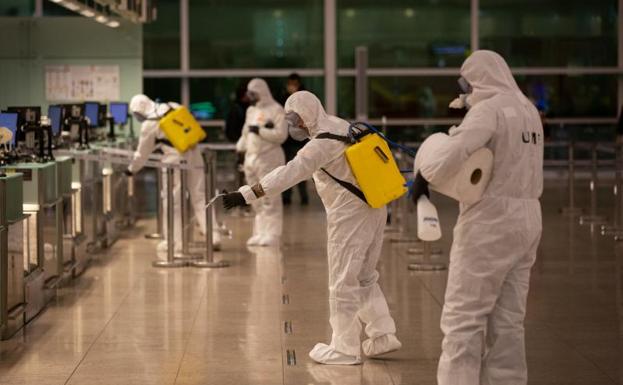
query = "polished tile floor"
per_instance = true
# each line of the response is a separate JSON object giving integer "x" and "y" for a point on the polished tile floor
{"x": 124, "y": 322}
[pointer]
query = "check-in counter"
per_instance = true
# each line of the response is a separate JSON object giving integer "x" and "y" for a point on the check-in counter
{"x": 44, "y": 231}
{"x": 12, "y": 224}
{"x": 75, "y": 256}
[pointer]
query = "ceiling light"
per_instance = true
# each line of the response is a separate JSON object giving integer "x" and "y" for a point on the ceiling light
{"x": 101, "y": 19}
{"x": 57, "y": 1}
{"x": 113, "y": 24}
{"x": 71, "y": 6}
{"x": 87, "y": 13}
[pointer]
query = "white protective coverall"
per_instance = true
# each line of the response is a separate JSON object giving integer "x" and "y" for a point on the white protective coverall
{"x": 149, "y": 141}
{"x": 263, "y": 153}
{"x": 355, "y": 237}
{"x": 495, "y": 239}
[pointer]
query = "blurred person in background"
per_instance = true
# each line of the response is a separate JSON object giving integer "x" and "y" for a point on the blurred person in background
{"x": 264, "y": 131}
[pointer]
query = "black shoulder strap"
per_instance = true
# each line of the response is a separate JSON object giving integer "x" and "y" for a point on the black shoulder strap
{"x": 328, "y": 135}
{"x": 348, "y": 186}
{"x": 166, "y": 142}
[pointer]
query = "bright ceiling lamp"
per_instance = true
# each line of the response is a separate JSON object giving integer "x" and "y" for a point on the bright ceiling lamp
{"x": 87, "y": 13}
{"x": 113, "y": 24}
{"x": 101, "y": 19}
{"x": 70, "y": 5}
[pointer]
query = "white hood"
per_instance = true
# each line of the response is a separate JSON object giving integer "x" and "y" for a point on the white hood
{"x": 489, "y": 75}
{"x": 142, "y": 104}
{"x": 316, "y": 119}
{"x": 259, "y": 86}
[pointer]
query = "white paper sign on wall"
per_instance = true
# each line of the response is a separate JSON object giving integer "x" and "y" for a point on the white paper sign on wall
{"x": 76, "y": 83}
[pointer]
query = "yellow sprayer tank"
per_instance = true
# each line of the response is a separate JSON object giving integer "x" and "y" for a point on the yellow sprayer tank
{"x": 376, "y": 171}
{"x": 181, "y": 129}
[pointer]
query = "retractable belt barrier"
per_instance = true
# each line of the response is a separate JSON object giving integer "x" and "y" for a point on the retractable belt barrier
{"x": 124, "y": 157}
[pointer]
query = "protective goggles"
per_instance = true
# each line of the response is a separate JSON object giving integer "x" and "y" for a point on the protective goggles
{"x": 465, "y": 86}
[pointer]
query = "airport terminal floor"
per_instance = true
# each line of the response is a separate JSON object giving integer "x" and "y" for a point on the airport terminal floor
{"x": 125, "y": 322}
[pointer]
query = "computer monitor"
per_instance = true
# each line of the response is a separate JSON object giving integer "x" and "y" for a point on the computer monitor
{"x": 119, "y": 112}
{"x": 9, "y": 120}
{"x": 26, "y": 115}
{"x": 72, "y": 111}
{"x": 92, "y": 111}
{"x": 55, "y": 113}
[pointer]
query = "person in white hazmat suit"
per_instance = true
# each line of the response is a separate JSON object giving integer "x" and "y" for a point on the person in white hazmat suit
{"x": 355, "y": 233}
{"x": 495, "y": 239}
{"x": 263, "y": 133}
{"x": 151, "y": 138}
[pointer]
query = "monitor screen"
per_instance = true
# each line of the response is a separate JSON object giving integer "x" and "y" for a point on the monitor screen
{"x": 9, "y": 120}
{"x": 55, "y": 115}
{"x": 92, "y": 111}
{"x": 119, "y": 112}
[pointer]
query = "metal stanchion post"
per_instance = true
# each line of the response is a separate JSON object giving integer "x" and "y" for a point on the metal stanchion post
{"x": 159, "y": 210}
{"x": 210, "y": 177}
{"x": 615, "y": 229}
{"x": 400, "y": 216}
{"x": 186, "y": 225}
{"x": 593, "y": 218}
{"x": 571, "y": 210}
{"x": 427, "y": 264}
{"x": 392, "y": 208}
{"x": 171, "y": 261}
{"x": 130, "y": 204}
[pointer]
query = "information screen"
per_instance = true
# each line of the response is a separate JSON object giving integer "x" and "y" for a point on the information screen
{"x": 91, "y": 111}
{"x": 55, "y": 115}
{"x": 119, "y": 112}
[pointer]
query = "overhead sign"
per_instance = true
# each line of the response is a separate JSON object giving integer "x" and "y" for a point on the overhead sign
{"x": 76, "y": 83}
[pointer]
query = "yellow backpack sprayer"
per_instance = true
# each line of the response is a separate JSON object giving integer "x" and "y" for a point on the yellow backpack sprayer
{"x": 372, "y": 163}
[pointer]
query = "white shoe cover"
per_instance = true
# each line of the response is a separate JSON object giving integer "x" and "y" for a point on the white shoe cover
{"x": 254, "y": 240}
{"x": 269, "y": 240}
{"x": 380, "y": 345}
{"x": 324, "y": 354}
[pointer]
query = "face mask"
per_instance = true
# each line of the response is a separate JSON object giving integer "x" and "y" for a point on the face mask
{"x": 465, "y": 86}
{"x": 139, "y": 117}
{"x": 296, "y": 127}
{"x": 253, "y": 98}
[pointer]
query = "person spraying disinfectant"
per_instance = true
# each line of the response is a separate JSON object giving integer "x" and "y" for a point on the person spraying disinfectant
{"x": 496, "y": 238}
{"x": 150, "y": 114}
{"x": 355, "y": 232}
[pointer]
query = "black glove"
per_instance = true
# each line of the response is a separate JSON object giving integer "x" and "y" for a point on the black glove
{"x": 269, "y": 124}
{"x": 233, "y": 199}
{"x": 254, "y": 129}
{"x": 128, "y": 173}
{"x": 420, "y": 187}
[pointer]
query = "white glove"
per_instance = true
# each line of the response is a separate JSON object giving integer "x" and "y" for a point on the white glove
{"x": 459, "y": 102}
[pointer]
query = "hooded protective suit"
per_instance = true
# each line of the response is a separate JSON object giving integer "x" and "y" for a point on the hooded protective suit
{"x": 355, "y": 237}
{"x": 264, "y": 154}
{"x": 495, "y": 239}
{"x": 152, "y": 138}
